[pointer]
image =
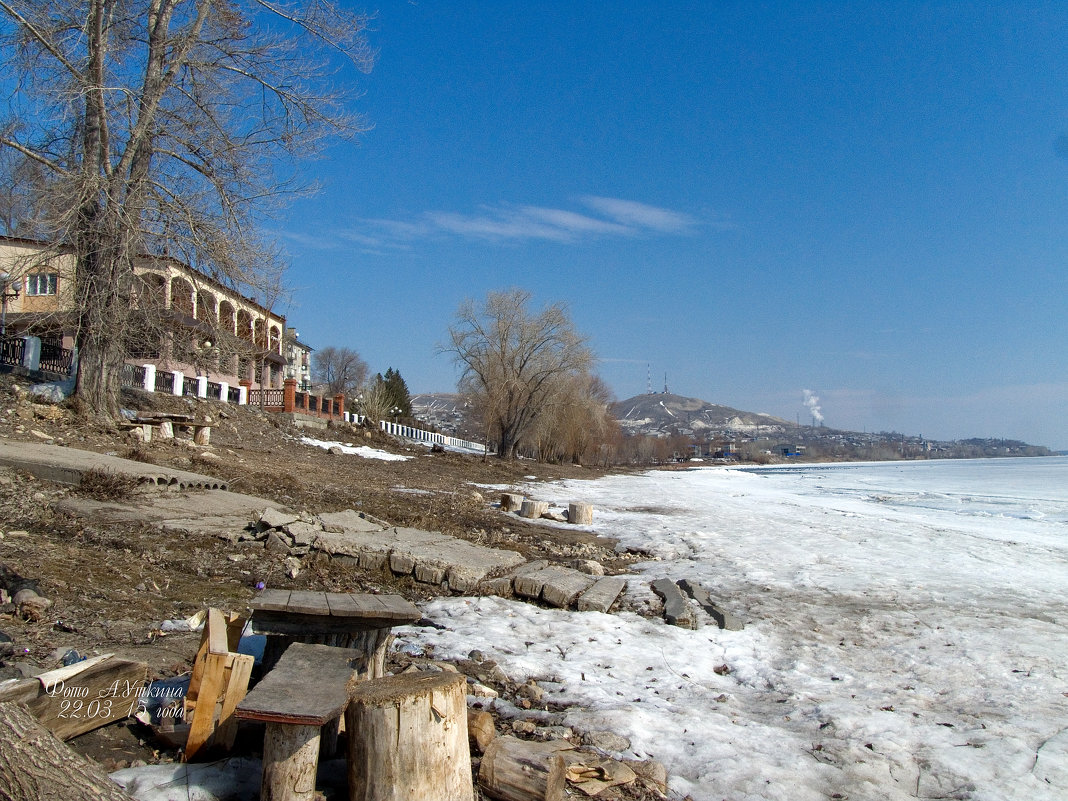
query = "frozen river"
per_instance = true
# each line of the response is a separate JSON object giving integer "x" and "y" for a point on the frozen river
{"x": 906, "y": 637}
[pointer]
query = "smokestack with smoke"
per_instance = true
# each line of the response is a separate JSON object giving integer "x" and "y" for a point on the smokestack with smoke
{"x": 812, "y": 403}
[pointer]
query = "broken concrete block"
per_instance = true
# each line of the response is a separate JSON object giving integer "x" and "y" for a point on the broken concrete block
{"x": 274, "y": 518}
{"x": 601, "y": 596}
{"x": 677, "y": 609}
{"x": 561, "y": 589}
{"x": 349, "y": 520}
{"x": 275, "y": 542}
{"x": 428, "y": 573}
{"x": 301, "y": 532}
{"x": 557, "y": 586}
{"x": 501, "y": 587}
{"x": 588, "y": 566}
{"x": 723, "y": 618}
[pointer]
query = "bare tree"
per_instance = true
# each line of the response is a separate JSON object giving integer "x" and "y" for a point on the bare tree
{"x": 514, "y": 361}
{"x": 164, "y": 126}
{"x": 340, "y": 370}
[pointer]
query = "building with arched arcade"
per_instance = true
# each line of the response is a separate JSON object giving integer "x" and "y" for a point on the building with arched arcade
{"x": 188, "y": 322}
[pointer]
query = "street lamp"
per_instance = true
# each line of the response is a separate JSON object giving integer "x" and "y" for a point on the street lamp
{"x": 8, "y": 291}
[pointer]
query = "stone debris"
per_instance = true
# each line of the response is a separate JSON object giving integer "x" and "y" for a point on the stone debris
{"x": 723, "y": 618}
{"x": 677, "y": 609}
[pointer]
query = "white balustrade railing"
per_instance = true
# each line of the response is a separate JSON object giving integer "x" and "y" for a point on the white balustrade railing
{"x": 419, "y": 435}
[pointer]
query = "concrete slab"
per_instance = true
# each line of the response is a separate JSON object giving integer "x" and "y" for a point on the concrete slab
{"x": 601, "y": 596}
{"x": 66, "y": 466}
{"x": 724, "y": 619}
{"x": 432, "y": 557}
{"x": 557, "y": 586}
{"x": 219, "y": 512}
{"x": 350, "y": 520}
{"x": 677, "y": 609}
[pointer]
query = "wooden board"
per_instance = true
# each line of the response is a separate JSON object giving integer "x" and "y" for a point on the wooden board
{"x": 305, "y": 602}
{"x": 307, "y": 687}
{"x": 272, "y": 600}
{"x": 82, "y": 697}
{"x": 336, "y": 604}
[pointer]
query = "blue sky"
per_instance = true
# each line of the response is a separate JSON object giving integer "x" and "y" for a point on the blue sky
{"x": 866, "y": 201}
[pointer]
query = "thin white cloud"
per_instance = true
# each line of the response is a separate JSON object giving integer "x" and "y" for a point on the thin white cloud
{"x": 639, "y": 215}
{"x": 611, "y": 217}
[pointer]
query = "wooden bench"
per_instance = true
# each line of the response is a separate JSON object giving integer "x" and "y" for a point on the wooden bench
{"x": 307, "y": 689}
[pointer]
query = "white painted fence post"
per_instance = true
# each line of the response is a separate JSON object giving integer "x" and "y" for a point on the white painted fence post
{"x": 224, "y": 392}
{"x": 31, "y": 356}
{"x": 202, "y": 386}
{"x": 178, "y": 385}
{"x": 150, "y": 377}
{"x": 242, "y": 397}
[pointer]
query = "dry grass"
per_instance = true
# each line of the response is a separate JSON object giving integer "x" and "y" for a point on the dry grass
{"x": 107, "y": 485}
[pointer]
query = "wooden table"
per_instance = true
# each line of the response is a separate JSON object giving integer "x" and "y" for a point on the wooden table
{"x": 345, "y": 620}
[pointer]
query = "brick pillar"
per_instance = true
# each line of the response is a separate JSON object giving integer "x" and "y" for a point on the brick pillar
{"x": 339, "y": 403}
{"x": 289, "y": 395}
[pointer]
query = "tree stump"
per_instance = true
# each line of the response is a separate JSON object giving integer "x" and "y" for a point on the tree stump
{"x": 511, "y": 502}
{"x": 580, "y": 514}
{"x": 533, "y": 509}
{"x": 521, "y": 770}
{"x": 290, "y": 762}
{"x": 408, "y": 738}
{"x": 36, "y": 764}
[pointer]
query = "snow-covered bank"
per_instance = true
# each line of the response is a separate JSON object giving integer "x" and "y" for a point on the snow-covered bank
{"x": 898, "y": 645}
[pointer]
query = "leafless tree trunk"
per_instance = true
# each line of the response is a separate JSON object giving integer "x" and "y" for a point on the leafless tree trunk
{"x": 164, "y": 127}
{"x": 35, "y": 764}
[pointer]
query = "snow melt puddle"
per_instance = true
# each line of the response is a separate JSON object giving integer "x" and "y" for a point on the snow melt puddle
{"x": 890, "y": 652}
{"x": 356, "y": 450}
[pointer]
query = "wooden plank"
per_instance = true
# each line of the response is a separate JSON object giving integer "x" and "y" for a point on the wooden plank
{"x": 271, "y": 600}
{"x": 400, "y": 608}
{"x": 85, "y": 699}
{"x": 211, "y": 687}
{"x": 236, "y": 689}
{"x": 215, "y": 627}
{"x": 308, "y": 686}
{"x": 235, "y": 624}
{"x": 305, "y": 602}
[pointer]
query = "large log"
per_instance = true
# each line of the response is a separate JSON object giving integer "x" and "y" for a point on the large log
{"x": 35, "y": 765}
{"x": 533, "y": 509}
{"x": 408, "y": 739}
{"x": 580, "y": 514}
{"x": 521, "y": 770}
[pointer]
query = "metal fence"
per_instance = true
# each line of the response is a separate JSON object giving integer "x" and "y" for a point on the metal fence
{"x": 12, "y": 350}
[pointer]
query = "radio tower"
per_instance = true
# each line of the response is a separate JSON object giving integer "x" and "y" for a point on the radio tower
{"x": 665, "y": 385}
{"x": 648, "y": 379}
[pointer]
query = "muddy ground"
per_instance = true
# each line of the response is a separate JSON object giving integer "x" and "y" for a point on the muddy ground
{"x": 112, "y": 585}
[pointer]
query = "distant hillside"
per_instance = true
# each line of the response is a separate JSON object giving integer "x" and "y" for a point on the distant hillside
{"x": 642, "y": 414}
{"x": 664, "y": 413}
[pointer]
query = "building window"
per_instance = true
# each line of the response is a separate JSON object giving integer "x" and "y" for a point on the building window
{"x": 42, "y": 283}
